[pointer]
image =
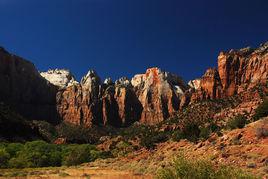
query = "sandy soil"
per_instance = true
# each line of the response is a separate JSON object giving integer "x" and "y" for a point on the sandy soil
{"x": 83, "y": 172}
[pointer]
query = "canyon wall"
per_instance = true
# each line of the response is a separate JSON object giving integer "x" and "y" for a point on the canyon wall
{"x": 147, "y": 98}
{"x": 25, "y": 90}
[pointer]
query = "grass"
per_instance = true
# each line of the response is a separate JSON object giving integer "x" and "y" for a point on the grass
{"x": 184, "y": 168}
{"x": 63, "y": 174}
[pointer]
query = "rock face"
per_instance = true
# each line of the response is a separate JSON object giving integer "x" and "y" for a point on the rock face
{"x": 195, "y": 84}
{"x": 242, "y": 69}
{"x": 92, "y": 103}
{"x": 159, "y": 93}
{"x": 61, "y": 78}
{"x": 121, "y": 106}
{"x": 147, "y": 98}
{"x": 80, "y": 103}
{"x": 154, "y": 96}
{"x": 238, "y": 71}
{"x": 25, "y": 90}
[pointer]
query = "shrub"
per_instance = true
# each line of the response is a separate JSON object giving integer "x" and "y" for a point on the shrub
{"x": 261, "y": 132}
{"x": 204, "y": 133}
{"x": 77, "y": 154}
{"x": 151, "y": 137}
{"x": 4, "y": 157}
{"x": 190, "y": 131}
{"x": 199, "y": 169}
{"x": 177, "y": 135}
{"x": 18, "y": 162}
{"x": 95, "y": 154}
{"x": 76, "y": 134}
{"x": 237, "y": 122}
{"x": 122, "y": 148}
{"x": 42, "y": 154}
{"x": 14, "y": 148}
{"x": 261, "y": 111}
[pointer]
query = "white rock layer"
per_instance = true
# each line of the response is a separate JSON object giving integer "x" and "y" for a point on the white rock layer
{"x": 59, "y": 77}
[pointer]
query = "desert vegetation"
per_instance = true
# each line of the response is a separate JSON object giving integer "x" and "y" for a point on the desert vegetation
{"x": 262, "y": 110}
{"x": 42, "y": 154}
{"x": 182, "y": 168}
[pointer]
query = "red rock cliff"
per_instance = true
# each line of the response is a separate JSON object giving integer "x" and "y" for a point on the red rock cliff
{"x": 159, "y": 94}
{"x": 238, "y": 71}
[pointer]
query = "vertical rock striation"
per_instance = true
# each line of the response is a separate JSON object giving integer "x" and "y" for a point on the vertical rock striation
{"x": 159, "y": 93}
{"x": 147, "y": 98}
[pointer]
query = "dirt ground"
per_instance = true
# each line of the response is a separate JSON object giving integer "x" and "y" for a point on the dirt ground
{"x": 71, "y": 173}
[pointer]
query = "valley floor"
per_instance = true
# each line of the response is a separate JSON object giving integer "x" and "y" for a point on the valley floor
{"x": 71, "y": 173}
{"x": 245, "y": 148}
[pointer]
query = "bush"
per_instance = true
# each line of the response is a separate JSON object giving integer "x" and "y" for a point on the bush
{"x": 204, "y": 133}
{"x": 18, "y": 162}
{"x": 261, "y": 111}
{"x": 199, "y": 169}
{"x": 76, "y": 134}
{"x": 151, "y": 137}
{"x": 4, "y": 157}
{"x": 189, "y": 131}
{"x": 77, "y": 154}
{"x": 237, "y": 122}
{"x": 42, "y": 154}
{"x": 14, "y": 148}
{"x": 122, "y": 148}
{"x": 177, "y": 136}
{"x": 261, "y": 130}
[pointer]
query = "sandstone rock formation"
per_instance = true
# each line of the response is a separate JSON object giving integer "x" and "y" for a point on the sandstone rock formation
{"x": 238, "y": 71}
{"x": 151, "y": 100}
{"x": 121, "y": 106}
{"x": 195, "y": 84}
{"x": 61, "y": 78}
{"x": 147, "y": 98}
{"x": 159, "y": 93}
{"x": 25, "y": 90}
{"x": 80, "y": 103}
{"x": 243, "y": 69}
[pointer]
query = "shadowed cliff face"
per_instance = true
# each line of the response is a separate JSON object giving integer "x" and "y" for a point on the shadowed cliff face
{"x": 25, "y": 90}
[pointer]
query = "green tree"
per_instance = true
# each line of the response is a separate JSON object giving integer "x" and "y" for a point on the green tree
{"x": 77, "y": 154}
{"x": 14, "y": 148}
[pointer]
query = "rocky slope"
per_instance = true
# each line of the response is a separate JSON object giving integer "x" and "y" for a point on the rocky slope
{"x": 15, "y": 128}
{"x": 245, "y": 148}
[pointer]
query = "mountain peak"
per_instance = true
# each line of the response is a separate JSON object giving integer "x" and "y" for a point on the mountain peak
{"x": 59, "y": 77}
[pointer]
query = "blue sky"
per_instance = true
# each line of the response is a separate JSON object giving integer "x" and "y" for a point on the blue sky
{"x": 125, "y": 37}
